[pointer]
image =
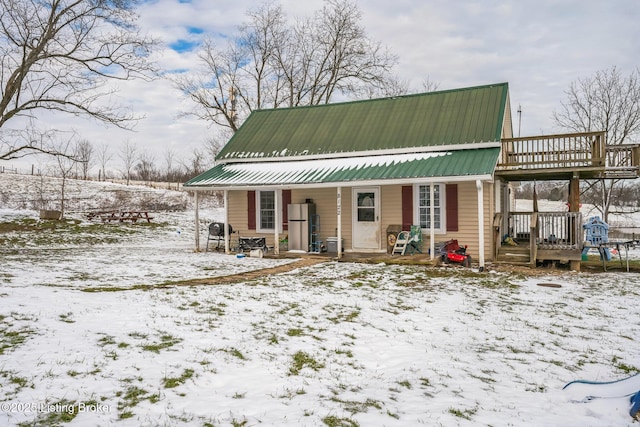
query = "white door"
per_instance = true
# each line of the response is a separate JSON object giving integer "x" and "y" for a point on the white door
{"x": 366, "y": 218}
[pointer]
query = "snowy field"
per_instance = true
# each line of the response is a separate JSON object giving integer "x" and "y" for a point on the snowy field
{"x": 94, "y": 332}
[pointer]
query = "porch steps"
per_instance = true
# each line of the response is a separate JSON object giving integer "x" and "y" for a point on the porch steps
{"x": 514, "y": 255}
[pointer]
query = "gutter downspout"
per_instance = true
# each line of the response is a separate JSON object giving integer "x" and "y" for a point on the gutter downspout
{"x": 432, "y": 221}
{"x": 197, "y": 203}
{"x": 276, "y": 224}
{"x": 480, "y": 187}
{"x": 339, "y": 213}
{"x": 227, "y": 238}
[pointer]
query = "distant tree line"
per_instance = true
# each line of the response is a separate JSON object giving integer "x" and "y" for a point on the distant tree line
{"x": 626, "y": 194}
{"x": 82, "y": 159}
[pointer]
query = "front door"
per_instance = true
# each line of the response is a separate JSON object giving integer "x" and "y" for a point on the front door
{"x": 366, "y": 218}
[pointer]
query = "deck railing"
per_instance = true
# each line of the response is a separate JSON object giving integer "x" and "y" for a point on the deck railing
{"x": 622, "y": 160}
{"x": 554, "y": 151}
{"x": 586, "y": 151}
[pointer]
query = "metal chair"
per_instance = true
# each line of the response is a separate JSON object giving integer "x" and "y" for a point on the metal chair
{"x": 216, "y": 233}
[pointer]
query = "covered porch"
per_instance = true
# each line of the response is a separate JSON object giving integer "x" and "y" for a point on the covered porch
{"x": 357, "y": 196}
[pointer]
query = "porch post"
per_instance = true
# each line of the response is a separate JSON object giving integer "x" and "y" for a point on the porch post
{"x": 574, "y": 206}
{"x": 197, "y": 203}
{"x": 227, "y": 237}
{"x": 276, "y": 225}
{"x": 432, "y": 220}
{"x": 506, "y": 208}
{"x": 339, "y": 214}
{"x": 480, "y": 187}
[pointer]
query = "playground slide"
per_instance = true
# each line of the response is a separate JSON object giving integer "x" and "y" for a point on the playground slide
{"x": 609, "y": 389}
{"x": 582, "y": 390}
{"x": 635, "y": 405}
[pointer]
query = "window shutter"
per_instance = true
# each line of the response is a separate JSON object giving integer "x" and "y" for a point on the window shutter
{"x": 452, "y": 207}
{"x": 251, "y": 210}
{"x": 407, "y": 207}
{"x": 286, "y": 200}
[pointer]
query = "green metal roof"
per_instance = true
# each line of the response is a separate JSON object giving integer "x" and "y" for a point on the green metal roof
{"x": 434, "y": 119}
{"x": 456, "y": 164}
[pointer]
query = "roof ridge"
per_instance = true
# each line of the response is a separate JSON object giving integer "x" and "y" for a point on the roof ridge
{"x": 393, "y": 97}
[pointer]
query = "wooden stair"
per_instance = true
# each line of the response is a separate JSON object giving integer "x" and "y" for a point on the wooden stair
{"x": 514, "y": 255}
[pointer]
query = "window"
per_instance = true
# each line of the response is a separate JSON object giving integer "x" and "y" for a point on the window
{"x": 266, "y": 210}
{"x": 423, "y": 198}
{"x": 366, "y": 207}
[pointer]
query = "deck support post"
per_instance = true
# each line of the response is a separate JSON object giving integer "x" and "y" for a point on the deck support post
{"x": 574, "y": 206}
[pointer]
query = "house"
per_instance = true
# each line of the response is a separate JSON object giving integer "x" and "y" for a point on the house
{"x": 441, "y": 160}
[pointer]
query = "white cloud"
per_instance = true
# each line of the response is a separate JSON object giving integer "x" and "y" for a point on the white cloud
{"x": 539, "y": 47}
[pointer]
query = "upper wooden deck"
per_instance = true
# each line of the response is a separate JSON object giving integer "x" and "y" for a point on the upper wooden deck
{"x": 549, "y": 157}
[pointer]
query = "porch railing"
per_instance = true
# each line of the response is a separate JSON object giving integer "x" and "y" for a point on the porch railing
{"x": 558, "y": 231}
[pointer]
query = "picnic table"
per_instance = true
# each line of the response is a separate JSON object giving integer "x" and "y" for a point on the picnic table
{"x": 121, "y": 216}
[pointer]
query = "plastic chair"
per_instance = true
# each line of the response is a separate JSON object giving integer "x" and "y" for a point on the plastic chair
{"x": 415, "y": 239}
{"x": 402, "y": 240}
{"x": 408, "y": 241}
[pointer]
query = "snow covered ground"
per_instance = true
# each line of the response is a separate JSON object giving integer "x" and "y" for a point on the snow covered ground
{"x": 85, "y": 341}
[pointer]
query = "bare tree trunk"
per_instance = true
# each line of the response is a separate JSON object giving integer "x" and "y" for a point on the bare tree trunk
{"x": 610, "y": 102}
{"x": 271, "y": 64}
{"x": 57, "y": 56}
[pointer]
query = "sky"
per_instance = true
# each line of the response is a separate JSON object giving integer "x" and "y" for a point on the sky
{"x": 539, "y": 47}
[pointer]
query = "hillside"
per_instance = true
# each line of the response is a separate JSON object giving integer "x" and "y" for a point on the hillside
{"x": 29, "y": 192}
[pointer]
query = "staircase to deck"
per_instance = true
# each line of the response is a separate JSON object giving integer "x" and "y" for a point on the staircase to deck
{"x": 519, "y": 255}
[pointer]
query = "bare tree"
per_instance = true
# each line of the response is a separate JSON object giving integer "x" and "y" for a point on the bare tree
{"x": 128, "y": 154}
{"x": 145, "y": 168}
{"x": 59, "y": 55}
{"x": 104, "y": 156}
{"x": 429, "y": 85}
{"x": 212, "y": 147}
{"x": 170, "y": 174}
{"x": 393, "y": 87}
{"x": 271, "y": 64}
{"x": 195, "y": 165}
{"x": 66, "y": 161}
{"x": 213, "y": 91}
{"x": 84, "y": 155}
{"x": 606, "y": 101}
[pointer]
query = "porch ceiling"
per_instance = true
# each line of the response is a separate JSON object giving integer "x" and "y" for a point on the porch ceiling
{"x": 397, "y": 167}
